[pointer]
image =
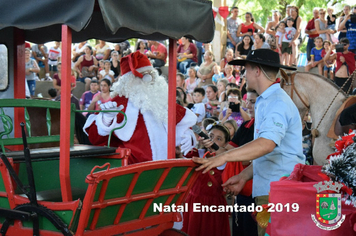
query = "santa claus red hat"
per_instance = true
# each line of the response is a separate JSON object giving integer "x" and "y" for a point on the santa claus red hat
{"x": 135, "y": 63}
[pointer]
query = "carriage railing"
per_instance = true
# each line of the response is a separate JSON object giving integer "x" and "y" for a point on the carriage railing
{"x": 26, "y": 104}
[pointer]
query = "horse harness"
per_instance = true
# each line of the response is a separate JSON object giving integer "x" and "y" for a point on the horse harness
{"x": 293, "y": 88}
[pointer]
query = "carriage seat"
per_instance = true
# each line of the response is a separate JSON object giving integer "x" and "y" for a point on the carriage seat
{"x": 335, "y": 130}
{"x": 54, "y": 152}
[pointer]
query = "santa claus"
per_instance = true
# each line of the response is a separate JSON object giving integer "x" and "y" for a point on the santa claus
{"x": 143, "y": 96}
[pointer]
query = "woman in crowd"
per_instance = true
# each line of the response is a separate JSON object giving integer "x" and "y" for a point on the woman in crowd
{"x": 115, "y": 64}
{"x": 272, "y": 25}
{"x": 345, "y": 13}
{"x": 260, "y": 42}
{"x": 207, "y": 191}
{"x": 231, "y": 126}
{"x": 321, "y": 25}
{"x": 244, "y": 47}
{"x": 57, "y": 80}
{"x": 187, "y": 54}
{"x": 102, "y": 51}
{"x": 205, "y": 72}
{"x": 249, "y": 26}
{"x": 192, "y": 81}
{"x": 233, "y": 110}
{"x": 31, "y": 69}
{"x": 142, "y": 46}
{"x": 229, "y": 55}
{"x": 101, "y": 97}
{"x": 186, "y": 98}
{"x": 78, "y": 50}
{"x": 86, "y": 67}
{"x": 211, "y": 107}
{"x": 294, "y": 11}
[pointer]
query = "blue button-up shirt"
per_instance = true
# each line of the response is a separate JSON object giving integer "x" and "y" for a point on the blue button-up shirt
{"x": 276, "y": 119}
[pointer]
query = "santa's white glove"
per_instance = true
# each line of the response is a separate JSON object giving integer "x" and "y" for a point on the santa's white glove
{"x": 188, "y": 141}
{"x": 109, "y": 116}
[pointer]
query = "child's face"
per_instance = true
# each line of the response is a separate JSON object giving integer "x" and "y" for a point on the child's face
{"x": 230, "y": 128}
{"x": 216, "y": 70}
{"x": 101, "y": 64}
{"x": 221, "y": 86}
{"x": 107, "y": 65}
{"x": 318, "y": 43}
{"x": 217, "y": 136}
{"x": 330, "y": 11}
{"x": 191, "y": 73}
{"x": 282, "y": 26}
{"x": 179, "y": 81}
{"x": 326, "y": 46}
{"x": 290, "y": 23}
{"x": 198, "y": 97}
{"x": 228, "y": 69}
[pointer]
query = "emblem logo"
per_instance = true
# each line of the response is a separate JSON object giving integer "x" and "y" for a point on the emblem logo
{"x": 328, "y": 206}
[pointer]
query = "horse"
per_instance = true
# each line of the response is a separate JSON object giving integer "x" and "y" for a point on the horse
{"x": 322, "y": 97}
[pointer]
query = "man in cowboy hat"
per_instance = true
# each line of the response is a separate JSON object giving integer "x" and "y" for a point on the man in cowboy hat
{"x": 277, "y": 144}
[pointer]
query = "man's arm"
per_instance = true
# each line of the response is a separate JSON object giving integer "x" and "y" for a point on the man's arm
{"x": 247, "y": 152}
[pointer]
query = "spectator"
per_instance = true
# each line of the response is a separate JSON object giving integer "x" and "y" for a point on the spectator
{"x": 321, "y": 25}
{"x": 345, "y": 64}
{"x": 87, "y": 96}
{"x": 208, "y": 223}
{"x": 117, "y": 48}
{"x": 57, "y": 80}
{"x": 287, "y": 39}
{"x": 260, "y": 42}
{"x": 328, "y": 64}
{"x": 229, "y": 55}
{"x": 233, "y": 110}
{"x": 288, "y": 13}
{"x": 115, "y": 64}
{"x": 350, "y": 29}
{"x": 311, "y": 32}
{"x": 205, "y": 72}
{"x": 280, "y": 31}
{"x": 52, "y": 92}
{"x": 40, "y": 54}
{"x": 101, "y": 97}
{"x": 331, "y": 18}
{"x": 78, "y": 50}
{"x": 187, "y": 54}
{"x": 229, "y": 76}
{"x": 217, "y": 75}
{"x": 54, "y": 56}
{"x": 192, "y": 81}
{"x": 272, "y": 25}
{"x": 244, "y": 47}
{"x": 186, "y": 98}
{"x": 142, "y": 46}
{"x": 316, "y": 59}
{"x": 231, "y": 126}
{"x": 232, "y": 25}
{"x": 199, "y": 107}
{"x": 158, "y": 54}
{"x": 345, "y": 13}
{"x": 86, "y": 67}
{"x": 222, "y": 89}
{"x": 102, "y": 51}
{"x": 107, "y": 73}
{"x": 180, "y": 79}
{"x": 249, "y": 26}
{"x": 211, "y": 106}
{"x": 296, "y": 41}
{"x": 242, "y": 222}
{"x": 31, "y": 69}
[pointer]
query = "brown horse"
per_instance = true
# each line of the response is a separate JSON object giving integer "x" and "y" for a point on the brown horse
{"x": 322, "y": 98}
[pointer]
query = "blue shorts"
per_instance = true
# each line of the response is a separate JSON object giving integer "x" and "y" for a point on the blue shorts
{"x": 328, "y": 69}
{"x": 32, "y": 86}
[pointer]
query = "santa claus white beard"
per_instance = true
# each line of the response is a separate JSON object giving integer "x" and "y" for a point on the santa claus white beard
{"x": 147, "y": 96}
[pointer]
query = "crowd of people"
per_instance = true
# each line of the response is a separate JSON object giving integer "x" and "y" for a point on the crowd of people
{"x": 217, "y": 93}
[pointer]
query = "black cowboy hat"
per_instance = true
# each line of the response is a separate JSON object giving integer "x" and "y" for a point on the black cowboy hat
{"x": 265, "y": 57}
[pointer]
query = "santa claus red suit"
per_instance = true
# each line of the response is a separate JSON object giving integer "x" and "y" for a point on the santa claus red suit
{"x": 143, "y": 96}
